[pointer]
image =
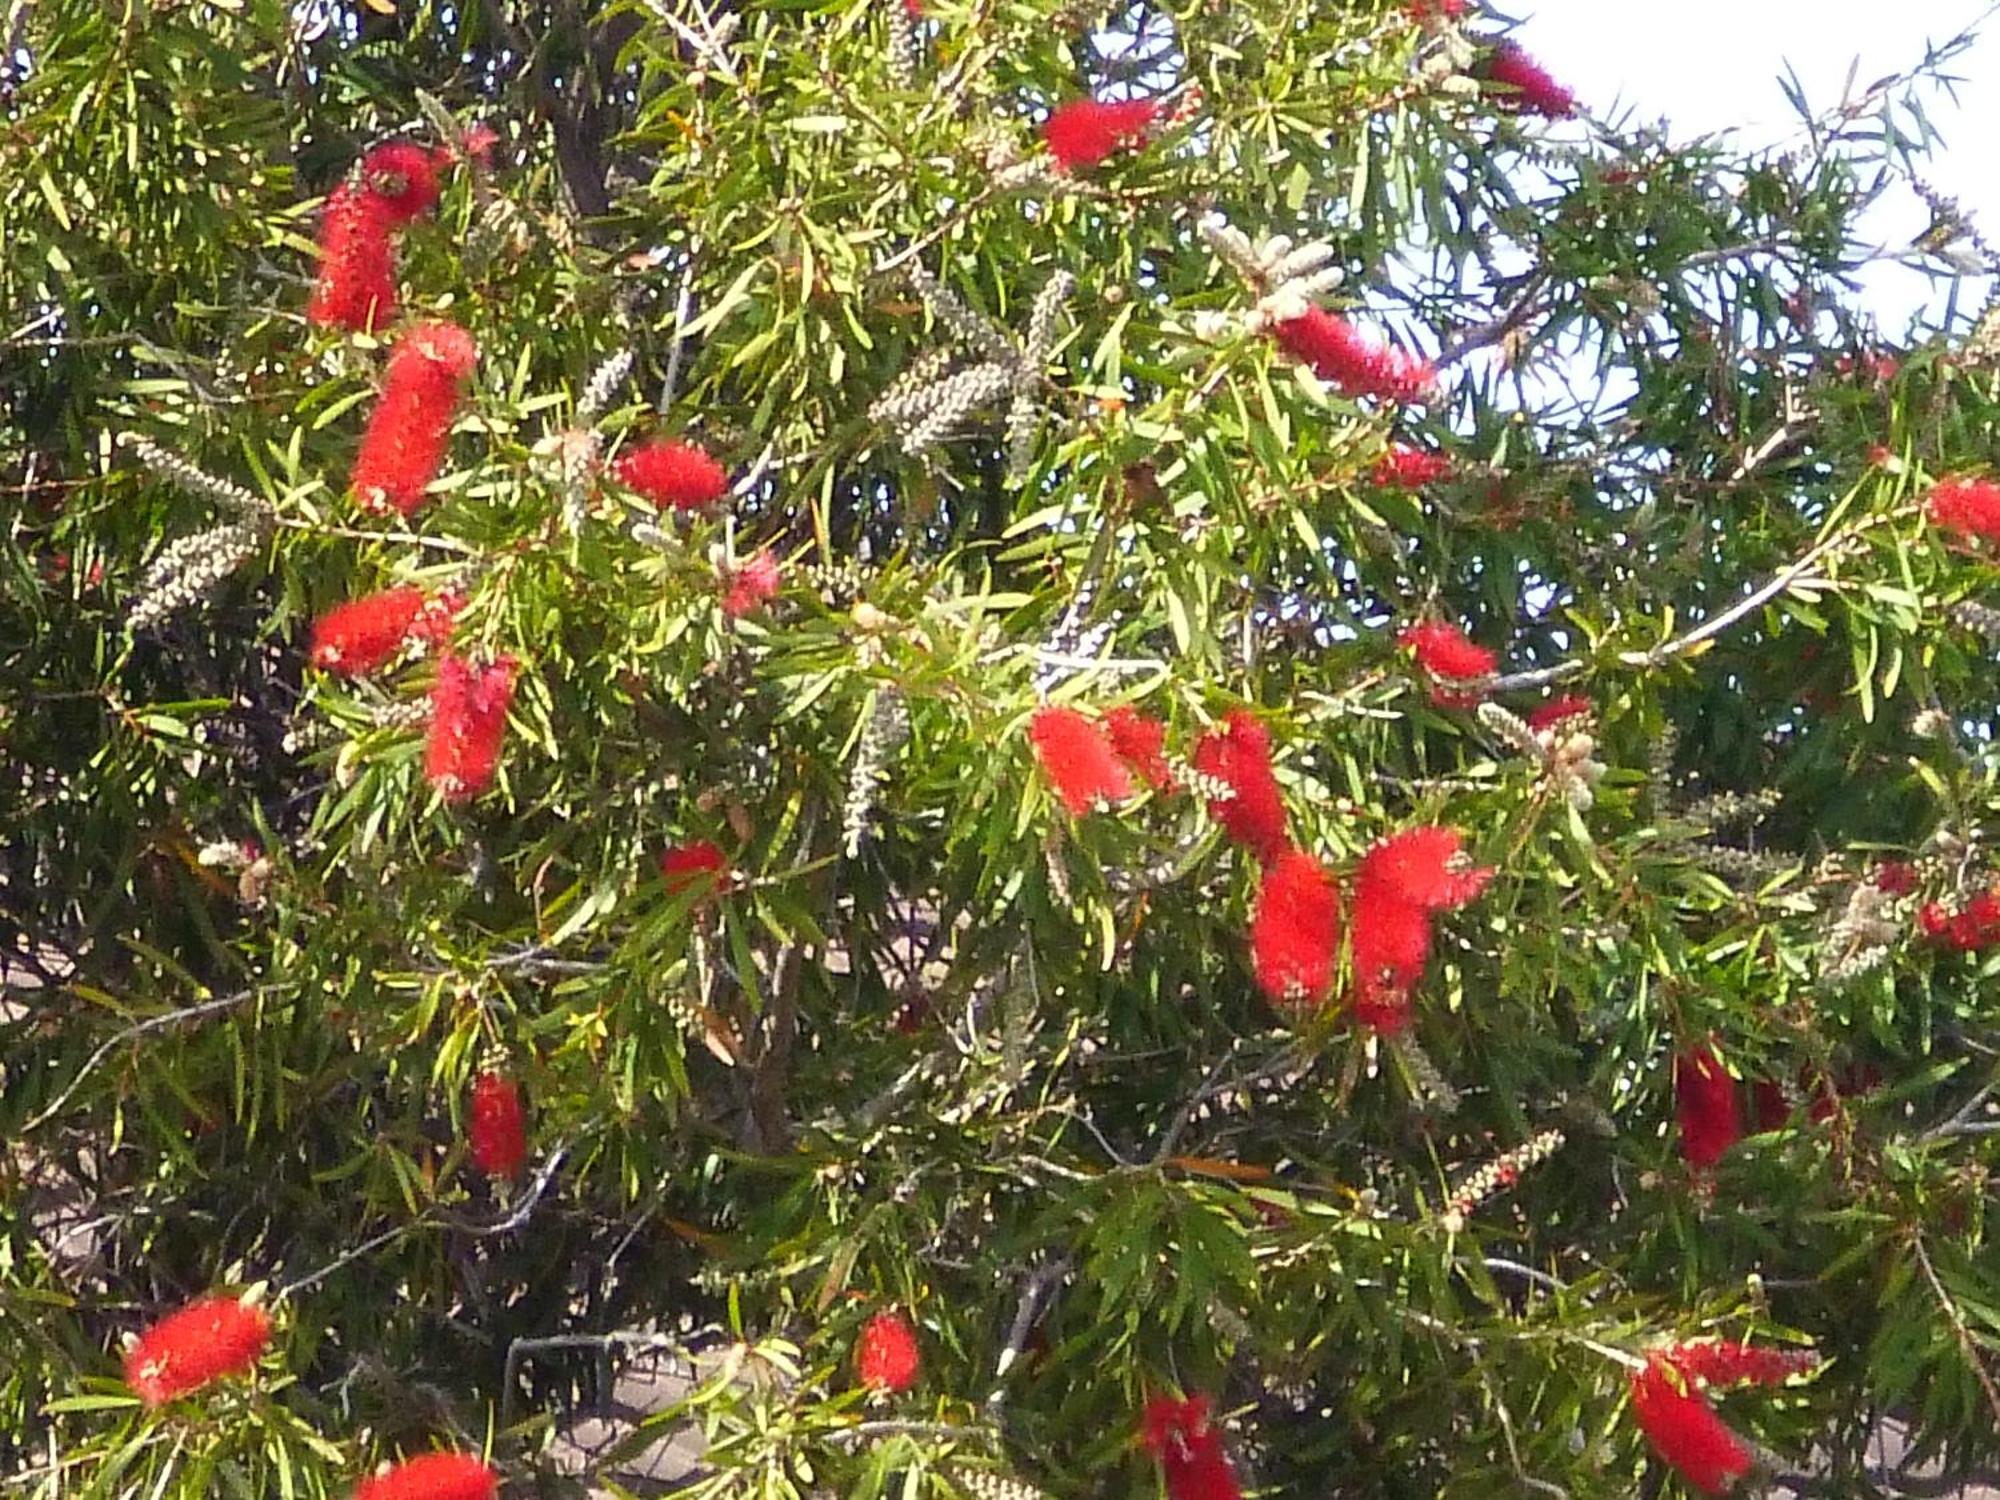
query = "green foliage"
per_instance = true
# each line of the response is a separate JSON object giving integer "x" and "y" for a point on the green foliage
{"x": 935, "y": 1043}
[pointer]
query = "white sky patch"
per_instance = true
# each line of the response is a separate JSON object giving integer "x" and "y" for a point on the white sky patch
{"x": 1713, "y": 65}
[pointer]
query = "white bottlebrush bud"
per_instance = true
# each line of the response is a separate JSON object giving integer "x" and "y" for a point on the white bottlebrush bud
{"x": 1212, "y": 326}
{"x": 1496, "y": 1177}
{"x": 189, "y": 570}
{"x": 1742, "y": 865}
{"x": 228, "y": 855}
{"x": 1048, "y": 307}
{"x": 952, "y": 400}
{"x": 1973, "y": 615}
{"x": 1435, "y": 1089}
{"x": 197, "y": 482}
{"x": 1231, "y": 244}
{"x": 604, "y": 383}
{"x": 909, "y": 395}
{"x": 1931, "y": 724}
{"x": 411, "y": 714}
{"x": 902, "y": 32}
{"x": 882, "y": 735}
{"x": 983, "y": 1484}
{"x": 1310, "y": 259}
{"x": 1509, "y": 726}
{"x": 1024, "y": 425}
{"x": 974, "y": 330}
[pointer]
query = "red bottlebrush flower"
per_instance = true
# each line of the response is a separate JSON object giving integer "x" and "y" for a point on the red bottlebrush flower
{"x": 1423, "y": 867}
{"x": 1353, "y": 364}
{"x": 699, "y": 866}
{"x": 1077, "y": 757}
{"x": 409, "y": 431}
{"x": 356, "y": 286}
{"x": 1189, "y": 1447}
{"x": 886, "y": 1357}
{"x": 673, "y": 474}
{"x": 1140, "y": 742}
{"x": 1084, "y": 132}
{"x": 432, "y": 1476}
{"x": 750, "y": 585}
{"x": 1443, "y": 650}
{"x": 1895, "y": 877}
{"x": 1977, "y": 926}
{"x": 1406, "y": 468}
{"x": 204, "y": 1341}
{"x": 1685, "y": 1431}
{"x": 1547, "y": 715}
{"x": 1295, "y": 930}
{"x": 1968, "y": 506}
{"x": 1768, "y": 1104}
{"x": 1933, "y": 921}
{"x": 1437, "y": 10}
{"x": 1705, "y": 1104}
{"x": 434, "y": 621}
{"x": 914, "y": 9}
{"x": 1735, "y": 1362}
{"x": 478, "y": 143}
{"x": 1239, "y": 755}
{"x": 468, "y": 723}
{"x": 363, "y": 634}
{"x": 496, "y": 1130}
{"x": 1391, "y": 944}
{"x": 1530, "y": 89}
{"x": 404, "y": 176}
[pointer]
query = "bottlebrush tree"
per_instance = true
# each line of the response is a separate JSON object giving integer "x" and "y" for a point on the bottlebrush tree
{"x": 1199, "y": 748}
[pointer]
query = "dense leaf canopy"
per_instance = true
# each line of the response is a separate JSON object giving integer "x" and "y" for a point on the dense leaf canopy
{"x": 721, "y": 922}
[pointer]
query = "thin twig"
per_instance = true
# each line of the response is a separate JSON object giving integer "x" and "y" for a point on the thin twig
{"x": 137, "y": 1029}
{"x": 1963, "y": 1334}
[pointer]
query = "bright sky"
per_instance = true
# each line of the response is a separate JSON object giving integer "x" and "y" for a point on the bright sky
{"x": 1710, "y": 65}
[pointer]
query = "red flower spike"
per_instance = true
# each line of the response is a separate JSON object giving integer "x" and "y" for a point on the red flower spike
{"x": 1342, "y": 356}
{"x": 1189, "y": 1447}
{"x": 1933, "y": 921}
{"x": 205, "y": 1341}
{"x": 1423, "y": 867}
{"x": 363, "y": 634}
{"x": 356, "y": 286}
{"x": 1895, "y": 877}
{"x": 478, "y": 142}
{"x": 1437, "y": 10}
{"x": 1295, "y": 930}
{"x": 1716, "y": 1362}
{"x": 1084, "y": 132}
{"x": 409, "y": 431}
{"x": 1406, "y": 468}
{"x": 433, "y": 1476}
{"x": 1443, "y": 650}
{"x": 1768, "y": 1105}
{"x": 1239, "y": 754}
{"x": 886, "y": 1357}
{"x": 468, "y": 724}
{"x": 750, "y": 585}
{"x": 404, "y": 176}
{"x": 435, "y": 620}
{"x": 1391, "y": 944}
{"x": 496, "y": 1130}
{"x": 1077, "y": 757}
{"x": 700, "y": 865}
{"x": 1705, "y": 1104}
{"x": 1976, "y": 927}
{"x": 1685, "y": 1431}
{"x": 1531, "y": 90}
{"x": 1970, "y": 507}
{"x": 672, "y": 474}
{"x": 1548, "y": 715}
{"x": 1140, "y": 742}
